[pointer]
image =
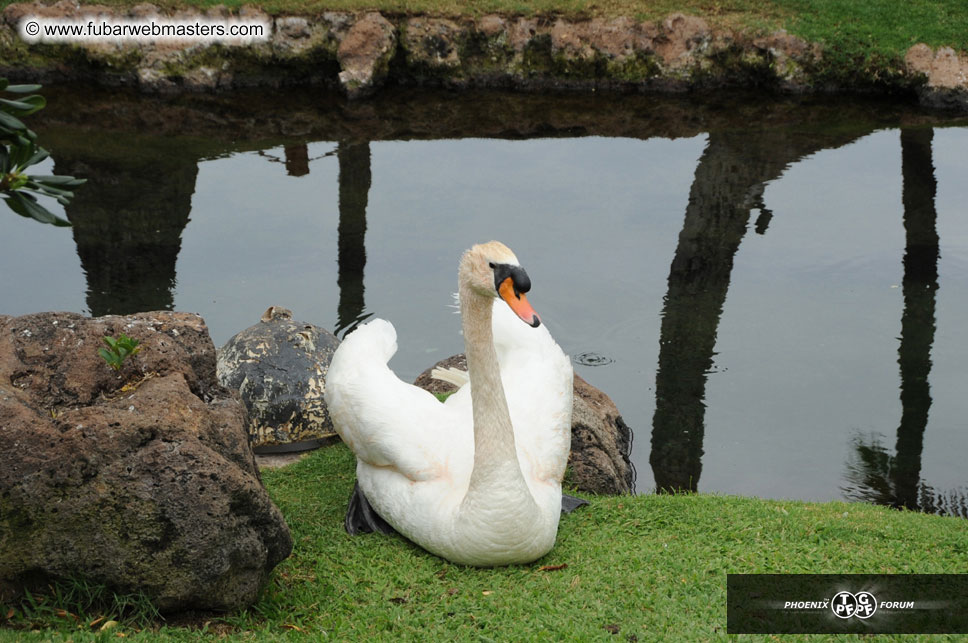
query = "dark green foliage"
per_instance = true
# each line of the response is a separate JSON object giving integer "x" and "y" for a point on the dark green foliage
{"x": 19, "y": 150}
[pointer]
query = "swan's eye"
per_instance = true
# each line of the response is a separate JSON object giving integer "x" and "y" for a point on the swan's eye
{"x": 517, "y": 275}
{"x": 491, "y": 264}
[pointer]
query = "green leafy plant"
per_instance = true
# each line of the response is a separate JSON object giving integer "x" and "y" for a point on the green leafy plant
{"x": 19, "y": 150}
{"x": 118, "y": 350}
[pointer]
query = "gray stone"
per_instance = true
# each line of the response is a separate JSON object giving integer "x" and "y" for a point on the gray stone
{"x": 432, "y": 43}
{"x": 293, "y": 27}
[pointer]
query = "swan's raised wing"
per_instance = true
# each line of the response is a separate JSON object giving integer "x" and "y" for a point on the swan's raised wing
{"x": 387, "y": 422}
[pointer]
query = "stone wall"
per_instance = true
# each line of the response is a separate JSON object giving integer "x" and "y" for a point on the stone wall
{"x": 361, "y": 52}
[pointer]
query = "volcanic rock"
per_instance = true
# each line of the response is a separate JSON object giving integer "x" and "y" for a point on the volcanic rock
{"x": 141, "y": 480}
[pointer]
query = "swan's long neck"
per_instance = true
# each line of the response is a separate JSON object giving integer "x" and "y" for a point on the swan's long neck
{"x": 496, "y": 475}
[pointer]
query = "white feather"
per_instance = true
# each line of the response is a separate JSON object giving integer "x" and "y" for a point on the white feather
{"x": 451, "y": 375}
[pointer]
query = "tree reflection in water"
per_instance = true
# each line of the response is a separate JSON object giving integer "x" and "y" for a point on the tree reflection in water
{"x": 873, "y": 474}
{"x": 354, "y": 188}
{"x": 728, "y": 185}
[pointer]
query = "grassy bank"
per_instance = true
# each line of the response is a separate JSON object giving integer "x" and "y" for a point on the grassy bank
{"x": 641, "y": 567}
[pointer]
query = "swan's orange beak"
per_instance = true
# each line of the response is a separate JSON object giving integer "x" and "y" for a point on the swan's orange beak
{"x": 518, "y": 303}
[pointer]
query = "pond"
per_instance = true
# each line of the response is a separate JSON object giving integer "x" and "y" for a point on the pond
{"x": 773, "y": 292}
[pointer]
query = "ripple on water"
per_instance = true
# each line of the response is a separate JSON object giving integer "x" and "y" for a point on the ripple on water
{"x": 592, "y": 359}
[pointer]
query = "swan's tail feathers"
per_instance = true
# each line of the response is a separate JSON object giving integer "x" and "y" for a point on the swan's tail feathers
{"x": 570, "y": 503}
{"x": 451, "y": 375}
{"x": 374, "y": 341}
{"x": 361, "y": 518}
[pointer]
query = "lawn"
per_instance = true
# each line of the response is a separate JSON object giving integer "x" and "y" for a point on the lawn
{"x": 624, "y": 568}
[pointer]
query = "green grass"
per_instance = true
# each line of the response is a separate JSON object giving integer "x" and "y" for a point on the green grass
{"x": 888, "y": 25}
{"x": 651, "y": 566}
{"x": 870, "y": 38}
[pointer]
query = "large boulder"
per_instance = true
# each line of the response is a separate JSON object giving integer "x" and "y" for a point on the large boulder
{"x": 279, "y": 368}
{"x": 601, "y": 442}
{"x": 141, "y": 480}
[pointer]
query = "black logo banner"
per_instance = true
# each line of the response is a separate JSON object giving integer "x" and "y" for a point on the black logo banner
{"x": 847, "y": 603}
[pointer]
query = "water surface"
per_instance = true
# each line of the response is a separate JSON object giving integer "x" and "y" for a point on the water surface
{"x": 772, "y": 292}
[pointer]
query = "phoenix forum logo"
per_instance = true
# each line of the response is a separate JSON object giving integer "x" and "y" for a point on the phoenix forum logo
{"x": 846, "y": 605}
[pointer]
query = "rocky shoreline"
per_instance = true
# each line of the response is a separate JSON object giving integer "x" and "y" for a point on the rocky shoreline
{"x": 360, "y": 53}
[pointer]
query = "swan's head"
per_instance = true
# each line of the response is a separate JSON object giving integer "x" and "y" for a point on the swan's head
{"x": 491, "y": 270}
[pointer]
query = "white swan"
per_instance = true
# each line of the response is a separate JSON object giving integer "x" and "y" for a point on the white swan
{"x": 476, "y": 480}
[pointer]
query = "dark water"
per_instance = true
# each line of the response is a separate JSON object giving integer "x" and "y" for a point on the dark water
{"x": 773, "y": 292}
